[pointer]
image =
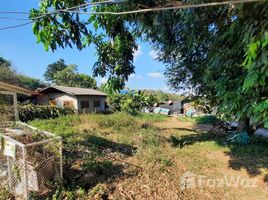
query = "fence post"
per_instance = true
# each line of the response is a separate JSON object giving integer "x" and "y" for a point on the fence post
{"x": 25, "y": 173}
{"x": 16, "y": 110}
{"x": 9, "y": 174}
{"x": 61, "y": 159}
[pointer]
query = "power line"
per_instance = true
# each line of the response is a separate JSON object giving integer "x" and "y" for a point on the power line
{"x": 85, "y": 5}
{"x": 14, "y": 12}
{"x": 169, "y": 8}
{"x": 81, "y": 6}
{"x": 15, "y": 26}
{"x": 70, "y": 10}
{"x": 12, "y": 18}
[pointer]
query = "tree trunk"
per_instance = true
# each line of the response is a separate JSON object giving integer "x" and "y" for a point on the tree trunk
{"x": 243, "y": 124}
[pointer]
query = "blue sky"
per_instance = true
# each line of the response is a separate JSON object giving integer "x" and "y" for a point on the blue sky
{"x": 20, "y": 47}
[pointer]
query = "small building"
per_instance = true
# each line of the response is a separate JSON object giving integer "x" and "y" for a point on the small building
{"x": 12, "y": 90}
{"x": 174, "y": 107}
{"x": 81, "y": 99}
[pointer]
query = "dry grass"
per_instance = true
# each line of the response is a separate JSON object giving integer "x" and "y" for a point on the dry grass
{"x": 123, "y": 157}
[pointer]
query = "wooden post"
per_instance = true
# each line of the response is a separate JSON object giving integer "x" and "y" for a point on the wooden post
{"x": 9, "y": 171}
{"x": 25, "y": 173}
{"x": 61, "y": 158}
{"x": 16, "y": 110}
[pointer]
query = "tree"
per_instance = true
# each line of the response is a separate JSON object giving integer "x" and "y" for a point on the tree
{"x": 9, "y": 75}
{"x": 204, "y": 48}
{"x": 53, "y": 68}
{"x": 214, "y": 62}
{"x": 151, "y": 99}
{"x": 114, "y": 42}
{"x": 131, "y": 102}
{"x": 70, "y": 77}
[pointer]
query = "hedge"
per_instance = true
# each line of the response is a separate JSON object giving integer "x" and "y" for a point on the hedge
{"x": 31, "y": 112}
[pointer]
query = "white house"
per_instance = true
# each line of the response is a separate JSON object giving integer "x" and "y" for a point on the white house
{"x": 81, "y": 99}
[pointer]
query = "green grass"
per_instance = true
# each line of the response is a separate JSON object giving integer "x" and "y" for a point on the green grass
{"x": 120, "y": 134}
{"x": 149, "y": 117}
{"x": 98, "y": 149}
{"x": 206, "y": 119}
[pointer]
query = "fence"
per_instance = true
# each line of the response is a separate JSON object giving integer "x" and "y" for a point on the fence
{"x": 30, "y": 160}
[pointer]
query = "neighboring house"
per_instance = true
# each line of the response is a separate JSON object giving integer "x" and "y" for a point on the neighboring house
{"x": 175, "y": 107}
{"x": 81, "y": 99}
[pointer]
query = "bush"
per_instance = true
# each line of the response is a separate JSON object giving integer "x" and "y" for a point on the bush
{"x": 131, "y": 102}
{"x": 62, "y": 126}
{"x": 116, "y": 121}
{"x": 6, "y": 113}
{"x": 31, "y": 112}
{"x": 206, "y": 119}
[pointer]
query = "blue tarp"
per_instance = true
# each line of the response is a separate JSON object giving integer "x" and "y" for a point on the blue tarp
{"x": 162, "y": 111}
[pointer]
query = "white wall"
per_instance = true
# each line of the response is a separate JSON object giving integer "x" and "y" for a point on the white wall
{"x": 91, "y": 103}
{"x": 59, "y": 98}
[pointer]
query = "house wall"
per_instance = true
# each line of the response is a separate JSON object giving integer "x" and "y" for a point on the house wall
{"x": 91, "y": 100}
{"x": 59, "y": 99}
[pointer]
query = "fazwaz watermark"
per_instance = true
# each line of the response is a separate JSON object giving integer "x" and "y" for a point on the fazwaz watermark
{"x": 189, "y": 180}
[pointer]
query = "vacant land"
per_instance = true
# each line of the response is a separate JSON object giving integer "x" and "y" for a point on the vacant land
{"x": 123, "y": 157}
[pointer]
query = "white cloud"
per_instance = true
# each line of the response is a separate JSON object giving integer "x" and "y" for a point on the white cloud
{"x": 135, "y": 76}
{"x": 155, "y": 74}
{"x": 153, "y": 54}
{"x": 138, "y": 52}
{"x": 103, "y": 80}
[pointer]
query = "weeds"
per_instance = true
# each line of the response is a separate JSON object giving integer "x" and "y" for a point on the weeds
{"x": 148, "y": 117}
{"x": 106, "y": 155}
{"x": 206, "y": 119}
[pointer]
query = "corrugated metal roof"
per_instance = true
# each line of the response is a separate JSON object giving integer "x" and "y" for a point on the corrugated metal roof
{"x": 76, "y": 91}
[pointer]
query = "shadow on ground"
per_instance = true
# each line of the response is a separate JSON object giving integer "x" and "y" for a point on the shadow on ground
{"x": 252, "y": 157}
{"x": 92, "y": 160}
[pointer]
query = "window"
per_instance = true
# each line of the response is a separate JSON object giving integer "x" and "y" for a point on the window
{"x": 67, "y": 104}
{"x": 52, "y": 102}
{"x": 97, "y": 103}
{"x": 84, "y": 104}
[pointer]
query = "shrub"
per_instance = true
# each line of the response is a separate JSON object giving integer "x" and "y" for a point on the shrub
{"x": 117, "y": 120}
{"x": 6, "y": 113}
{"x": 31, "y": 112}
{"x": 62, "y": 126}
{"x": 131, "y": 102}
{"x": 206, "y": 119}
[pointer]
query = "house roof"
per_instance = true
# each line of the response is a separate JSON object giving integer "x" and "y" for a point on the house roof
{"x": 14, "y": 88}
{"x": 75, "y": 91}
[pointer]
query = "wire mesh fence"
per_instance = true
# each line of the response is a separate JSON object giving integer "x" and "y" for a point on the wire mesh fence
{"x": 30, "y": 160}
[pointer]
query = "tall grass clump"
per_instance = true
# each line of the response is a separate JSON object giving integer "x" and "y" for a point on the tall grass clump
{"x": 62, "y": 126}
{"x": 116, "y": 121}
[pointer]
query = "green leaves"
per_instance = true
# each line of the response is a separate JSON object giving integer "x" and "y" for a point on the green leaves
{"x": 113, "y": 41}
{"x": 67, "y": 75}
{"x": 260, "y": 113}
{"x": 251, "y": 80}
{"x": 132, "y": 102}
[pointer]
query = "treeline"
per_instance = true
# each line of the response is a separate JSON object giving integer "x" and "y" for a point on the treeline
{"x": 58, "y": 73}
{"x": 8, "y": 74}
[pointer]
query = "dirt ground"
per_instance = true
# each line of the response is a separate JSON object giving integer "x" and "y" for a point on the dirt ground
{"x": 258, "y": 191}
{"x": 121, "y": 157}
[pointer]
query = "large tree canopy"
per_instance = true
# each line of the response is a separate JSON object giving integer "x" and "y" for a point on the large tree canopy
{"x": 67, "y": 75}
{"x": 218, "y": 52}
{"x": 53, "y": 68}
